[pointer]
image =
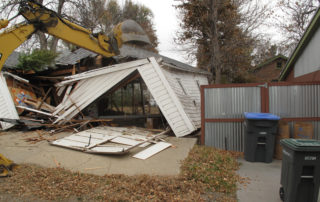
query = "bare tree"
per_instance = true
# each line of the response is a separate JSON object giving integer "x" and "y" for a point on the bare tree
{"x": 253, "y": 15}
{"x": 89, "y": 14}
{"x": 294, "y": 20}
{"x": 46, "y": 42}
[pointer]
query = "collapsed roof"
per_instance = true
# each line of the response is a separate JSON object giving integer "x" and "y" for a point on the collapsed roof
{"x": 177, "y": 93}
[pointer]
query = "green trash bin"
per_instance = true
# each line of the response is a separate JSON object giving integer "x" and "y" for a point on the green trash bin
{"x": 300, "y": 171}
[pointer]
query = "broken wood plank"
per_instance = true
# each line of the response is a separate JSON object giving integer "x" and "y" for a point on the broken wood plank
{"x": 152, "y": 138}
{"x": 36, "y": 111}
{"x": 18, "y": 78}
{"x": 108, "y": 150}
{"x": 67, "y": 94}
{"x": 38, "y": 105}
{"x": 69, "y": 144}
{"x": 44, "y": 98}
{"x": 154, "y": 149}
{"x": 101, "y": 71}
{"x": 126, "y": 141}
{"x": 60, "y": 90}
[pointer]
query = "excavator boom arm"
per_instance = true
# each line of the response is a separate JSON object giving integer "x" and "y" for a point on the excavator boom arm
{"x": 12, "y": 38}
{"x": 39, "y": 18}
{"x": 50, "y": 22}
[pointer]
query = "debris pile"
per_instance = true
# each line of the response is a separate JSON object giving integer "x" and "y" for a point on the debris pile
{"x": 111, "y": 140}
{"x": 144, "y": 93}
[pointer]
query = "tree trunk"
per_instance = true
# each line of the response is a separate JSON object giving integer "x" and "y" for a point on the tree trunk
{"x": 214, "y": 40}
{"x": 43, "y": 40}
{"x": 54, "y": 42}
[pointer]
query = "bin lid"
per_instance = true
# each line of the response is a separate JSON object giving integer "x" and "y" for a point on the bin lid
{"x": 301, "y": 144}
{"x": 261, "y": 116}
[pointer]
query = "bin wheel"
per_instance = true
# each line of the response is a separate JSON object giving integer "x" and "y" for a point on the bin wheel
{"x": 281, "y": 192}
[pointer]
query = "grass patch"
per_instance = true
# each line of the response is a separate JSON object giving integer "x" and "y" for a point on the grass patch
{"x": 207, "y": 175}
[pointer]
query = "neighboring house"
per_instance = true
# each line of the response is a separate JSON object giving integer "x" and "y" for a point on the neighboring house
{"x": 12, "y": 61}
{"x": 270, "y": 69}
{"x": 304, "y": 63}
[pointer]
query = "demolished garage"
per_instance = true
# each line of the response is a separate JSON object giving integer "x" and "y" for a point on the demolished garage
{"x": 175, "y": 90}
{"x": 176, "y": 93}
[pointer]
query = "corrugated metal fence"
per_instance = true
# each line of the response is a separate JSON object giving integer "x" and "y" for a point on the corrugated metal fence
{"x": 223, "y": 107}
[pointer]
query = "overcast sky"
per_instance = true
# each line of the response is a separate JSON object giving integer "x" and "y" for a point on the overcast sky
{"x": 166, "y": 24}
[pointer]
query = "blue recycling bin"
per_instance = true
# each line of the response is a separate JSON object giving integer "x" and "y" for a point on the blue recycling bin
{"x": 260, "y": 132}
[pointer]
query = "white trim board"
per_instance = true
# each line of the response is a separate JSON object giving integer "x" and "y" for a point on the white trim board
{"x": 154, "y": 149}
{"x": 7, "y": 108}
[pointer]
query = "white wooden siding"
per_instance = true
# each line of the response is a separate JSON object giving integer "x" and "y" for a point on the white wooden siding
{"x": 309, "y": 60}
{"x": 190, "y": 101}
{"x": 166, "y": 99}
{"x": 90, "y": 90}
{"x": 154, "y": 149}
{"x": 178, "y": 108}
{"x": 7, "y": 108}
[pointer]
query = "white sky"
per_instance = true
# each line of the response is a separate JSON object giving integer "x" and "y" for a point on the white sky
{"x": 166, "y": 24}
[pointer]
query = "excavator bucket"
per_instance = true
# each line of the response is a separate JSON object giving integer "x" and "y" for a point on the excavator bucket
{"x": 6, "y": 166}
{"x": 131, "y": 31}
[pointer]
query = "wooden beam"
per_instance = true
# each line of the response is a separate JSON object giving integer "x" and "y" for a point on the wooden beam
{"x": 122, "y": 99}
{"x": 141, "y": 94}
{"x": 133, "y": 100}
{"x": 44, "y": 98}
{"x": 115, "y": 104}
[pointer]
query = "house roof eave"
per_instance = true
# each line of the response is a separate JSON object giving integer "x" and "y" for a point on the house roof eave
{"x": 307, "y": 36}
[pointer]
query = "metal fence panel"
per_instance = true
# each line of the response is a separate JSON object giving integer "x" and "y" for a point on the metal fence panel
{"x": 299, "y": 102}
{"x": 225, "y": 135}
{"x": 231, "y": 102}
{"x": 295, "y": 101}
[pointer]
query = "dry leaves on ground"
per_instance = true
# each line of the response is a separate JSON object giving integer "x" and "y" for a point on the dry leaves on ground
{"x": 207, "y": 175}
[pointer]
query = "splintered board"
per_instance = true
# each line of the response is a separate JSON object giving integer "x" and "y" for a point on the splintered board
{"x": 154, "y": 149}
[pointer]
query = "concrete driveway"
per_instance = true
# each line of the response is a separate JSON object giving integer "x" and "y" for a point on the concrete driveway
{"x": 264, "y": 181}
{"x": 167, "y": 162}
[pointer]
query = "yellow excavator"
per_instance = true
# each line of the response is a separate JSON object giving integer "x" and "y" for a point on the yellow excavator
{"x": 40, "y": 18}
{"x": 6, "y": 166}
